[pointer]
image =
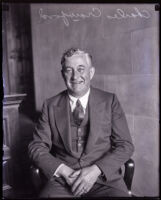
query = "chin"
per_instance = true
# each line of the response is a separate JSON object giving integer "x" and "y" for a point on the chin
{"x": 79, "y": 93}
{"x": 75, "y": 93}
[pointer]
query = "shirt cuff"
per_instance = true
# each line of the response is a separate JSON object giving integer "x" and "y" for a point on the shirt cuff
{"x": 102, "y": 175}
{"x": 57, "y": 170}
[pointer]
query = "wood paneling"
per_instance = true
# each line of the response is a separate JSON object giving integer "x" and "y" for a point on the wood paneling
{"x": 10, "y": 135}
{"x": 17, "y": 84}
{"x": 17, "y": 51}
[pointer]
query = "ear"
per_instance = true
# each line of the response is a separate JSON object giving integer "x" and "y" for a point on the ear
{"x": 92, "y": 72}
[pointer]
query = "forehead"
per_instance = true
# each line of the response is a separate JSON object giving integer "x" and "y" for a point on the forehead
{"x": 76, "y": 60}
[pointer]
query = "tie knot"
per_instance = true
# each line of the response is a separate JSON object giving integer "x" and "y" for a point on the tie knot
{"x": 78, "y": 103}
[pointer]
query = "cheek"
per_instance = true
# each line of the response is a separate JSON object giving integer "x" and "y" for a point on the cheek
{"x": 67, "y": 78}
{"x": 87, "y": 77}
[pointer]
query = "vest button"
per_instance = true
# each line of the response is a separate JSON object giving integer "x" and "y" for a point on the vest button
{"x": 79, "y": 130}
{"x": 79, "y": 138}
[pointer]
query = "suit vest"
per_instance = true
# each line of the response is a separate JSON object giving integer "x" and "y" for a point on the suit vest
{"x": 80, "y": 133}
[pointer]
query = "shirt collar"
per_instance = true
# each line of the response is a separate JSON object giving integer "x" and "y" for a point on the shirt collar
{"x": 83, "y": 99}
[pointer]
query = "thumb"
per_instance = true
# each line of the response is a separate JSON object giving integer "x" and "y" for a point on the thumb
{"x": 74, "y": 174}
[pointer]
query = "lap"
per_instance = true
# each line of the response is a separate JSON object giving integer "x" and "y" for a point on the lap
{"x": 99, "y": 190}
{"x": 57, "y": 187}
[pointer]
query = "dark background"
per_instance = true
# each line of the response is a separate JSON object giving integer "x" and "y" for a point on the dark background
{"x": 126, "y": 56}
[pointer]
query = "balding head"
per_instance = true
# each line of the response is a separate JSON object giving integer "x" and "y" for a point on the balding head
{"x": 76, "y": 52}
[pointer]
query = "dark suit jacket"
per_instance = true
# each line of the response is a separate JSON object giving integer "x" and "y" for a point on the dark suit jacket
{"x": 109, "y": 143}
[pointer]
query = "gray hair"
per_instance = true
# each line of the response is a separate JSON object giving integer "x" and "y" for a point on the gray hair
{"x": 73, "y": 51}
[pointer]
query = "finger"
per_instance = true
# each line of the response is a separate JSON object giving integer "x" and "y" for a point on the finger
{"x": 87, "y": 189}
{"x": 78, "y": 194}
{"x": 80, "y": 190}
{"x": 71, "y": 180}
{"x": 74, "y": 174}
{"x": 68, "y": 180}
{"x": 76, "y": 184}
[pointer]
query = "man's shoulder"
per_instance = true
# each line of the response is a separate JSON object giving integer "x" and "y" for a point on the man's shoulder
{"x": 54, "y": 100}
{"x": 102, "y": 93}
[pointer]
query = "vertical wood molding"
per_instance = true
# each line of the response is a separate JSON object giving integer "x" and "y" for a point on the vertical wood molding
{"x": 10, "y": 135}
{"x": 17, "y": 51}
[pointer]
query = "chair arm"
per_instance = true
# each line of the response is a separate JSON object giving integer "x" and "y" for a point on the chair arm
{"x": 36, "y": 177}
{"x": 129, "y": 173}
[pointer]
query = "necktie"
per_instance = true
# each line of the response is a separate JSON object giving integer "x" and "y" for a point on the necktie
{"x": 78, "y": 113}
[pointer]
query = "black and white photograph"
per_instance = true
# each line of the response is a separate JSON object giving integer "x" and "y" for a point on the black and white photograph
{"x": 80, "y": 100}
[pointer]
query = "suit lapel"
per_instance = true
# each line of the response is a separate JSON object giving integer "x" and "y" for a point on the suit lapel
{"x": 63, "y": 121}
{"x": 96, "y": 110}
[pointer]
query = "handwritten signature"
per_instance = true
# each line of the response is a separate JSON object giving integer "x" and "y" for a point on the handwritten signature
{"x": 121, "y": 14}
{"x": 95, "y": 13}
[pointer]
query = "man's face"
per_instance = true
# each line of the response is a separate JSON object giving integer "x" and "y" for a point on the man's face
{"x": 77, "y": 74}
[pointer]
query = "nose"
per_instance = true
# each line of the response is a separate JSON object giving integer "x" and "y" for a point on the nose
{"x": 74, "y": 75}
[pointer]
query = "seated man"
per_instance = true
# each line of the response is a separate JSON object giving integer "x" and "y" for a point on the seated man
{"x": 81, "y": 139}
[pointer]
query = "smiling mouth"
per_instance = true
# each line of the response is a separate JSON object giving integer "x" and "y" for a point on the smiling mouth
{"x": 76, "y": 82}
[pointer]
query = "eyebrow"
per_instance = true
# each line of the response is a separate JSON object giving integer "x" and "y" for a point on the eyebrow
{"x": 67, "y": 67}
{"x": 81, "y": 66}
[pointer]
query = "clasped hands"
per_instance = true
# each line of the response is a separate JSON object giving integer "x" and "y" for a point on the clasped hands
{"x": 81, "y": 181}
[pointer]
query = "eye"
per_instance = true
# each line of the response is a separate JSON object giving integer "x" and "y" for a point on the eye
{"x": 80, "y": 69}
{"x": 68, "y": 70}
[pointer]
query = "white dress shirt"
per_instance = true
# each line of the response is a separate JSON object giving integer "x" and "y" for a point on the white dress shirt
{"x": 83, "y": 100}
{"x": 73, "y": 100}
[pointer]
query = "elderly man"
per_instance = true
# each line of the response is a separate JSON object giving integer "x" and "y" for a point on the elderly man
{"x": 81, "y": 139}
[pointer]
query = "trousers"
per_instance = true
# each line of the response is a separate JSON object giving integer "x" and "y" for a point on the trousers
{"x": 57, "y": 187}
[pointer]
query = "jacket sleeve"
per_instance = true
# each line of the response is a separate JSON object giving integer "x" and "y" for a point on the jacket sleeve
{"x": 121, "y": 143}
{"x": 39, "y": 148}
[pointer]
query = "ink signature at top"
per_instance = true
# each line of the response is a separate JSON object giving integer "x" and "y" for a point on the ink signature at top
{"x": 121, "y": 14}
{"x": 95, "y": 13}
